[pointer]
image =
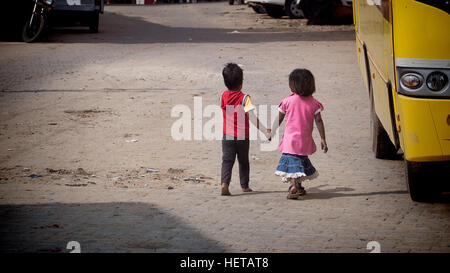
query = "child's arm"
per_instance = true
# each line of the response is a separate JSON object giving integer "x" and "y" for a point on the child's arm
{"x": 321, "y": 128}
{"x": 254, "y": 119}
{"x": 248, "y": 108}
{"x": 277, "y": 123}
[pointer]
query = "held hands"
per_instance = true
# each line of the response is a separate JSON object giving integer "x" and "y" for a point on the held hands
{"x": 269, "y": 134}
{"x": 324, "y": 145}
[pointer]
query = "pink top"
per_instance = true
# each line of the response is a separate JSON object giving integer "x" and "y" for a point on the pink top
{"x": 300, "y": 111}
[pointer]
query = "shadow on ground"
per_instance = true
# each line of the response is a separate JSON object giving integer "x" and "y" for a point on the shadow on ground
{"x": 119, "y": 29}
{"x": 98, "y": 227}
{"x": 317, "y": 193}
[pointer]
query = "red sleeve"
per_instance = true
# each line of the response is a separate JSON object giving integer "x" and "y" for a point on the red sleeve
{"x": 221, "y": 103}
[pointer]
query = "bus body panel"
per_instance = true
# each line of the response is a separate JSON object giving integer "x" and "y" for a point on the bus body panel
{"x": 421, "y": 37}
{"x": 420, "y": 31}
{"x": 441, "y": 117}
{"x": 381, "y": 100}
{"x": 374, "y": 30}
{"x": 415, "y": 33}
{"x": 361, "y": 60}
{"x": 445, "y": 144}
{"x": 420, "y": 123}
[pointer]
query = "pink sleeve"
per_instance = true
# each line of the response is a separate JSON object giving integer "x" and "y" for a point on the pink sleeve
{"x": 319, "y": 107}
{"x": 282, "y": 107}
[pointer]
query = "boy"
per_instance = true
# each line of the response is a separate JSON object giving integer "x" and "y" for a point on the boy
{"x": 237, "y": 111}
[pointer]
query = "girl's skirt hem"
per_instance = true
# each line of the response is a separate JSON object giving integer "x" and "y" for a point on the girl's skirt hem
{"x": 303, "y": 177}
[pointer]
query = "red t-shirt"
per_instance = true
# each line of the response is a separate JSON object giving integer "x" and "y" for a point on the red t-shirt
{"x": 235, "y": 120}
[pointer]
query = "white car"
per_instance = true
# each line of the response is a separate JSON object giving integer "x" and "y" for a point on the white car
{"x": 278, "y": 8}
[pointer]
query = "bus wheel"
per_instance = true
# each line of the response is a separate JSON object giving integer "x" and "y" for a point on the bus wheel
{"x": 381, "y": 144}
{"x": 420, "y": 181}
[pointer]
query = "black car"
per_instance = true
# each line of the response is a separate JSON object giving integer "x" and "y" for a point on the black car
{"x": 81, "y": 12}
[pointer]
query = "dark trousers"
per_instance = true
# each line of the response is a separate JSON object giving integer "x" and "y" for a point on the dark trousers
{"x": 230, "y": 148}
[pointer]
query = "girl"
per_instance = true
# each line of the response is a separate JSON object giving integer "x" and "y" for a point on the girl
{"x": 301, "y": 109}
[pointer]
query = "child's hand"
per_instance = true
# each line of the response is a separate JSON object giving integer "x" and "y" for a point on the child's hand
{"x": 269, "y": 134}
{"x": 324, "y": 145}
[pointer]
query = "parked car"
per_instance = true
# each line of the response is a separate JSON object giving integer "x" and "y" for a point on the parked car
{"x": 278, "y": 8}
{"x": 83, "y": 12}
{"x": 293, "y": 8}
{"x": 327, "y": 12}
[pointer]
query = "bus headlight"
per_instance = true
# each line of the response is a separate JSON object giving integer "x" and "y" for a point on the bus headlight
{"x": 436, "y": 81}
{"x": 424, "y": 82}
{"x": 412, "y": 80}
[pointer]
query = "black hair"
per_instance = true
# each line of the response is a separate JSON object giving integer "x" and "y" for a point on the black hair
{"x": 302, "y": 82}
{"x": 232, "y": 76}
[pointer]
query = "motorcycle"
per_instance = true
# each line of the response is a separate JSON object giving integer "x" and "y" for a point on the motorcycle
{"x": 34, "y": 27}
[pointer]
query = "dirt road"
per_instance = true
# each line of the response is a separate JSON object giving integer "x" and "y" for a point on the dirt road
{"x": 87, "y": 155}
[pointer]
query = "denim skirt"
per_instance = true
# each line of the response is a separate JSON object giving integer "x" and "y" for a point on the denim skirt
{"x": 295, "y": 166}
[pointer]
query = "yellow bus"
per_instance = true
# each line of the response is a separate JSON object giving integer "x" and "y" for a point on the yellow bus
{"x": 403, "y": 49}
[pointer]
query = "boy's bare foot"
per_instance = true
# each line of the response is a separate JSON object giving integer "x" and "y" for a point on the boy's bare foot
{"x": 246, "y": 190}
{"x": 225, "y": 190}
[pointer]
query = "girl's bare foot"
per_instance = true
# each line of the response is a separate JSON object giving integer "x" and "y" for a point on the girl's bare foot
{"x": 247, "y": 190}
{"x": 293, "y": 192}
{"x": 225, "y": 190}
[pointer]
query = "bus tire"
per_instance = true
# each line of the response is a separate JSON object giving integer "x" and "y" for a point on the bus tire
{"x": 419, "y": 181}
{"x": 381, "y": 144}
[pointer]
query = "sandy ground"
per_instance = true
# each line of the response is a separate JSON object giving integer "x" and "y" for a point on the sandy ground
{"x": 71, "y": 105}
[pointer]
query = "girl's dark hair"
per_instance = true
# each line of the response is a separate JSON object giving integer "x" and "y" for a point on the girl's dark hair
{"x": 302, "y": 81}
{"x": 232, "y": 76}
